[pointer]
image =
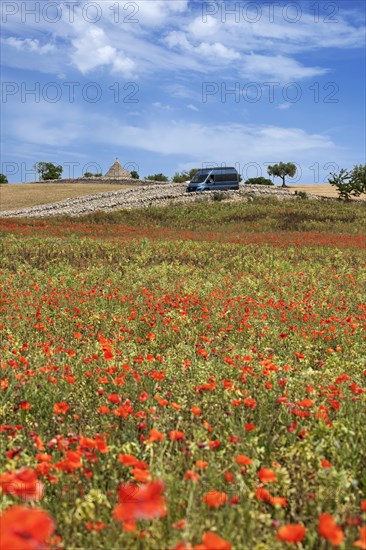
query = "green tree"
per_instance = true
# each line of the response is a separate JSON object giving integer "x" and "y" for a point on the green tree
{"x": 92, "y": 175}
{"x": 193, "y": 172}
{"x": 181, "y": 177}
{"x": 134, "y": 175}
{"x": 157, "y": 177}
{"x": 351, "y": 183}
{"x": 358, "y": 179}
{"x": 259, "y": 181}
{"x": 3, "y": 178}
{"x": 281, "y": 170}
{"x": 48, "y": 170}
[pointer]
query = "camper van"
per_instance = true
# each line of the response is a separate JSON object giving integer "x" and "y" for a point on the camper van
{"x": 214, "y": 179}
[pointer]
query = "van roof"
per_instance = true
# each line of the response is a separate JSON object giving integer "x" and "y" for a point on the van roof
{"x": 218, "y": 168}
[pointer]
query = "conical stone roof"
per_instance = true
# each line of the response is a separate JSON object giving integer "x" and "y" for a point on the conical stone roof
{"x": 117, "y": 171}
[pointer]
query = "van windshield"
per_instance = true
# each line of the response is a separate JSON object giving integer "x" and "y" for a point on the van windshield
{"x": 200, "y": 176}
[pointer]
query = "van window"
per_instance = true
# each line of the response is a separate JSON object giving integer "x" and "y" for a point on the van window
{"x": 225, "y": 175}
{"x": 200, "y": 176}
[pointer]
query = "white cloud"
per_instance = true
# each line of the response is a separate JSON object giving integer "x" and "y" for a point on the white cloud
{"x": 211, "y": 51}
{"x": 178, "y": 38}
{"x": 28, "y": 44}
{"x": 159, "y": 105}
{"x": 200, "y": 29}
{"x": 284, "y": 106}
{"x": 145, "y": 13}
{"x": 43, "y": 124}
{"x": 124, "y": 47}
{"x": 156, "y": 12}
{"x": 277, "y": 67}
{"x": 92, "y": 50}
{"x": 217, "y": 50}
{"x": 192, "y": 107}
{"x": 229, "y": 142}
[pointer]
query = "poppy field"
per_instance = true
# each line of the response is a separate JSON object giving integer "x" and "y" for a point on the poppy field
{"x": 163, "y": 387}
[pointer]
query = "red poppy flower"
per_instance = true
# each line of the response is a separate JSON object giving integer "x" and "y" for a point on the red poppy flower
{"x": 201, "y": 464}
{"x": 212, "y": 541}
{"x": 96, "y": 526}
{"x": 279, "y": 501}
{"x": 292, "y": 533}
{"x": 249, "y": 427}
{"x": 250, "y": 403}
{"x": 142, "y": 476}
{"x": 25, "y": 528}
{"x": 155, "y": 435}
{"x": 263, "y": 494}
{"x": 266, "y": 475}
{"x": 71, "y": 462}
{"x": 229, "y": 477}
{"x": 176, "y": 435}
{"x": 128, "y": 460}
{"x": 215, "y": 499}
{"x": 181, "y": 524}
{"x": 329, "y": 530}
{"x": 60, "y": 408}
{"x": 23, "y": 484}
{"x": 361, "y": 543}
{"x": 243, "y": 460}
{"x": 305, "y": 403}
{"x": 191, "y": 475}
{"x": 140, "y": 501}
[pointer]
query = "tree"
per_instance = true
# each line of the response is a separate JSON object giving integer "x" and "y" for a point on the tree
{"x": 281, "y": 170}
{"x": 157, "y": 177}
{"x": 351, "y": 183}
{"x": 92, "y": 175}
{"x": 258, "y": 181}
{"x": 193, "y": 172}
{"x": 358, "y": 179}
{"x": 3, "y": 178}
{"x": 48, "y": 170}
{"x": 134, "y": 175}
{"x": 181, "y": 177}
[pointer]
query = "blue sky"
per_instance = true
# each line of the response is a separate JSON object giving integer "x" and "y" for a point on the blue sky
{"x": 167, "y": 85}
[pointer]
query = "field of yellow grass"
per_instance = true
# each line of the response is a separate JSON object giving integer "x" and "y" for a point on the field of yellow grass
{"x": 24, "y": 195}
{"x": 323, "y": 189}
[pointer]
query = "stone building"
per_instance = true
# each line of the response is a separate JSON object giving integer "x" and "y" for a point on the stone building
{"x": 117, "y": 172}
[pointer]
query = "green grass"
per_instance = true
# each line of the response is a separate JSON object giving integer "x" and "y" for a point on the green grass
{"x": 259, "y": 215}
{"x": 257, "y": 322}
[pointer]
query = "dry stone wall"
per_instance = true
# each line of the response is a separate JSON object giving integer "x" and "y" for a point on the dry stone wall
{"x": 104, "y": 180}
{"x": 145, "y": 196}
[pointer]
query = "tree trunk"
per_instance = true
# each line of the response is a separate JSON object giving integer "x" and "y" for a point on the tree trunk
{"x": 283, "y": 181}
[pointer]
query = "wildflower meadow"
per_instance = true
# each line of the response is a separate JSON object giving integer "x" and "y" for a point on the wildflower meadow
{"x": 185, "y": 378}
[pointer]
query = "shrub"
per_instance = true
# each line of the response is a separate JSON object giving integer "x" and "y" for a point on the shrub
{"x": 351, "y": 183}
{"x": 259, "y": 181}
{"x": 301, "y": 194}
{"x": 219, "y": 196}
{"x": 3, "y": 178}
{"x": 157, "y": 177}
{"x": 134, "y": 175}
{"x": 180, "y": 177}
